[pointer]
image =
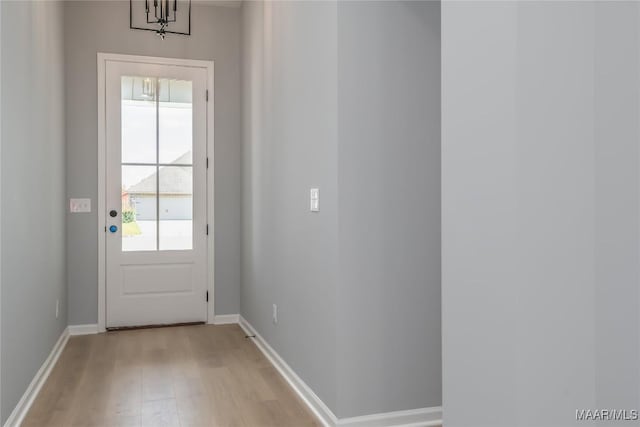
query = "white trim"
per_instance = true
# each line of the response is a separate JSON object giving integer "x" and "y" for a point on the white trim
{"x": 102, "y": 58}
{"x": 211, "y": 212}
{"x": 27, "y": 399}
{"x": 194, "y": 63}
{"x": 102, "y": 182}
{"x": 317, "y": 406}
{"x": 226, "y": 319}
{"x": 88, "y": 329}
{"x": 425, "y": 417}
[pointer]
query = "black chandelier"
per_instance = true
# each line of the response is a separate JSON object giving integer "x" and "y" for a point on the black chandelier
{"x": 161, "y": 13}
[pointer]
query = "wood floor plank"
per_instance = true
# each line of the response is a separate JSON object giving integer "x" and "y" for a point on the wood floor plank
{"x": 185, "y": 376}
{"x": 160, "y": 413}
{"x": 53, "y": 404}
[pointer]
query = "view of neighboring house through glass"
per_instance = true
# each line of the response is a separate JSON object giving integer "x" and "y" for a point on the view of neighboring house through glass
{"x": 157, "y": 164}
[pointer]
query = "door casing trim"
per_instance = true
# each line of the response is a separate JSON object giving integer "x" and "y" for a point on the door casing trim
{"x": 103, "y": 58}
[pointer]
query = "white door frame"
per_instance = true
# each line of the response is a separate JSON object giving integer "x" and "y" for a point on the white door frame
{"x": 102, "y": 182}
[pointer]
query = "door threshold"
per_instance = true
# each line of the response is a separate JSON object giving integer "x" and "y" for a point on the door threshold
{"x": 168, "y": 325}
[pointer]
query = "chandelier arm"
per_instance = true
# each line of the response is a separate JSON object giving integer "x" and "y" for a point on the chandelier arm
{"x": 163, "y": 16}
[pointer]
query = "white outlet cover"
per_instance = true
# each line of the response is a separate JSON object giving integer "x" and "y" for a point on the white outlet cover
{"x": 79, "y": 205}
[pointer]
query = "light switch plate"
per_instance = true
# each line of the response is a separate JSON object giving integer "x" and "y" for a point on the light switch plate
{"x": 79, "y": 205}
{"x": 314, "y": 197}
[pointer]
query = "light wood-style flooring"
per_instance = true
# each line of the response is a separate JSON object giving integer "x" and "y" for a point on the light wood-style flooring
{"x": 179, "y": 376}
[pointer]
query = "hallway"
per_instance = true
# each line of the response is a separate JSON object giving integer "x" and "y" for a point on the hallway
{"x": 270, "y": 163}
{"x": 177, "y": 376}
{"x": 423, "y": 212}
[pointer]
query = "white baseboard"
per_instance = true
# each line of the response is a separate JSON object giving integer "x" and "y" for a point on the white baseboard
{"x": 226, "y": 319}
{"x": 83, "y": 329}
{"x": 23, "y": 406}
{"x": 307, "y": 395}
{"x": 425, "y": 417}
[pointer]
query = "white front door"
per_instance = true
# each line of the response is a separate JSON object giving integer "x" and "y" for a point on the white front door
{"x": 156, "y": 180}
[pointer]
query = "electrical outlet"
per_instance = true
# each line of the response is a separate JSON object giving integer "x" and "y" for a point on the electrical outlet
{"x": 275, "y": 314}
{"x": 57, "y": 308}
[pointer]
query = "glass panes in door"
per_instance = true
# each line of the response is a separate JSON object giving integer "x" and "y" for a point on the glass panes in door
{"x": 176, "y": 207}
{"x": 157, "y": 164}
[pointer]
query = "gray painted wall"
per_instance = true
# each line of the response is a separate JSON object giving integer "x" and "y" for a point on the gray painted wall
{"x": 388, "y": 206}
{"x": 345, "y": 97}
{"x": 103, "y": 26}
{"x": 290, "y": 145}
{"x": 617, "y": 205}
{"x": 540, "y": 211}
{"x": 33, "y": 191}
